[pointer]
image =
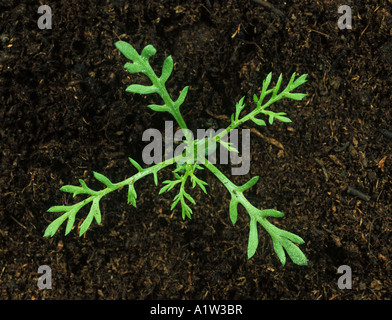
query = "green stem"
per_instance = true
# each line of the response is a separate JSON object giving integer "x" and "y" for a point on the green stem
{"x": 131, "y": 180}
{"x": 175, "y": 112}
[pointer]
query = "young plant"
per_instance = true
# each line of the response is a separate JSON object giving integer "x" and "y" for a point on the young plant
{"x": 185, "y": 169}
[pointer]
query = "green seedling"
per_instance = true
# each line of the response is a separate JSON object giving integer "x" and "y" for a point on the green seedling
{"x": 185, "y": 171}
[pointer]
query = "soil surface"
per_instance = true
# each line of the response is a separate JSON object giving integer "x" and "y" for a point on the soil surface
{"x": 64, "y": 113}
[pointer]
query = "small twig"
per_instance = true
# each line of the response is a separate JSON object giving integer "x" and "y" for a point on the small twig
{"x": 345, "y": 146}
{"x": 269, "y": 140}
{"x": 323, "y": 168}
{"x": 24, "y": 227}
{"x": 2, "y": 271}
{"x": 358, "y": 194}
{"x": 386, "y": 133}
{"x": 271, "y": 7}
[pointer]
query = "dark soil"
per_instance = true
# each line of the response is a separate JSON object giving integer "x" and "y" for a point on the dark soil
{"x": 65, "y": 113}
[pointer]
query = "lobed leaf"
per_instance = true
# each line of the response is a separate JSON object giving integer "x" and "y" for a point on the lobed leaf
{"x": 291, "y": 81}
{"x": 259, "y": 122}
{"x": 249, "y": 184}
{"x": 181, "y": 97}
{"x": 158, "y": 108}
{"x": 169, "y": 185}
{"x": 155, "y": 174}
{"x": 195, "y": 180}
{"x": 295, "y": 96}
{"x": 238, "y": 107}
{"x": 271, "y": 213}
{"x": 133, "y": 67}
{"x": 55, "y": 225}
{"x": 167, "y": 69}
{"x": 283, "y": 119}
{"x": 127, "y": 50}
{"x": 253, "y": 241}
{"x": 95, "y": 211}
{"x": 101, "y": 178}
{"x": 185, "y": 209}
{"x": 60, "y": 208}
{"x": 175, "y": 201}
{"x": 132, "y": 195}
{"x": 70, "y": 223}
{"x": 291, "y": 236}
{"x": 278, "y": 248}
{"x": 78, "y": 190}
{"x": 233, "y": 210}
{"x": 301, "y": 80}
{"x": 277, "y": 86}
{"x": 148, "y": 52}
{"x": 294, "y": 252}
{"x": 271, "y": 118}
{"x": 72, "y": 189}
{"x": 86, "y": 224}
{"x": 135, "y": 164}
{"x": 189, "y": 197}
{"x": 266, "y": 82}
{"x": 228, "y": 146}
{"x": 141, "y": 89}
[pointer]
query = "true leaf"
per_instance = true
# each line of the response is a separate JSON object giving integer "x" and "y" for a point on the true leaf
{"x": 186, "y": 210}
{"x": 277, "y": 86}
{"x": 103, "y": 179}
{"x": 199, "y": 182}
{"x": 249, "y": 184}
{"x": 239, "y": 106}
{"x": 86, "y": 224}
{"x": 155, "y": 177}
{"x": 294, "y": 252}
{"x": 132, "y": 195}
{"x": 233, "y": 211}
{"x": 267, "y": 82}
{"x": 135, "y": 164}
{"x": 291, "y": 236}
{"x": 291, "y": 81}
{"x": 181, "y": 97}
{"x": 189, "y": 197}
{"x": 301, "y": 80}
{"x": 278, "y": 248}
{"x": 59, "y": 209}
{"x": 175, "y": 201}
{"x": 295, "y": 96}
{"x": 54, "y": 225}
{"x": 283, "y": 119}
{"x": 253, "y": 241}
{"x": 167, "y": 69}
{"x": 72, "y": 189}
{"x": 271, "y": 213}
{"x": 141, "y": 89}
{"x": 158, "y": 108}
{"x": 133, "y": 67}
{"x": 259, "y": 122}
{"x": 271, "y": 118}
{"x": 83, "y": 184}
{"x": 148, "y": 51}
{"x": 127, "y": 50}
{"x": 70, "y": 223}
{"x": 96, "y": 212}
